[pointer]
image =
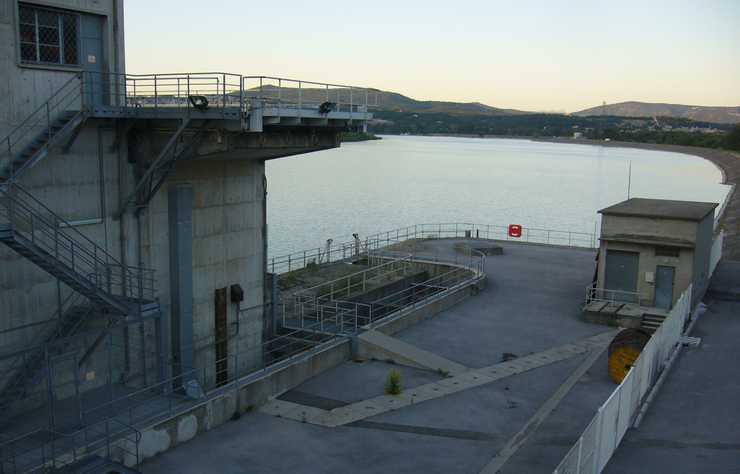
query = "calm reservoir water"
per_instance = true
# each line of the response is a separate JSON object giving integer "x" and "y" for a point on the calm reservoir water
{"x": 374, "y": 186}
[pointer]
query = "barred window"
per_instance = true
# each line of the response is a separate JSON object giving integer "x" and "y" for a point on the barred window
{"x": 48, "y": 36}
{"x": 667, "y": 252}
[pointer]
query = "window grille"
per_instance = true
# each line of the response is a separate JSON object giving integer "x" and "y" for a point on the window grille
{"x": 667, "y": 251}
{"x": 48, "y": 36}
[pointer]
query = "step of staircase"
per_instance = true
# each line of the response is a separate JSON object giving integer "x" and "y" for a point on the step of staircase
{"x": 47, "y": 262}
{"x": 651, "y": 322}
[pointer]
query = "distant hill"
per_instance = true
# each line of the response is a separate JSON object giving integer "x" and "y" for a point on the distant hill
{"x": 646, "y": 109}
{"x": 395, "y": 102}
{"x": 391, "y": 101}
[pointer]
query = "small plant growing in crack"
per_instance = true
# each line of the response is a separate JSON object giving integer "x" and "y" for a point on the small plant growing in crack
{"x": 393, "y": 383}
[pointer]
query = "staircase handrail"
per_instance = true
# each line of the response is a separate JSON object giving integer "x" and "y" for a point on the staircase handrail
{"x": 98, "y": 258}
{"x": 53, "y": 102}
{"x": 49, "y": 451}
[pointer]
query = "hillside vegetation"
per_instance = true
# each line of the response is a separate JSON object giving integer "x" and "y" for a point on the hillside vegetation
{"x": 728, "y": 115}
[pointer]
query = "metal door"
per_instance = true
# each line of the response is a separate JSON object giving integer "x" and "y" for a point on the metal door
{"x": 621, "y": 275}
{"x": 64, "y": 390}
{"x": 664, "y": 286}
{"x": 91, "y": 39}
{"x": 222, "y": 337}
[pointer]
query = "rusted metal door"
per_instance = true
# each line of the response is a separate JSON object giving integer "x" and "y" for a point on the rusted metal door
{"x": 222, "y": 337}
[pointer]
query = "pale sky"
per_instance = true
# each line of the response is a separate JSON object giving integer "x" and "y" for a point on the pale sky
{"x": 547, "y": 55}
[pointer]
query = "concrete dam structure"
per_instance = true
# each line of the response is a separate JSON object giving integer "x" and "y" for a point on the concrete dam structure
{"x": 139, "y": 309}
{"x": 133, "y": 224}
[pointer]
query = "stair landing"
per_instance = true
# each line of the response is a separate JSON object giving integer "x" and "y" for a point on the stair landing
{"x": 628, "y": 315}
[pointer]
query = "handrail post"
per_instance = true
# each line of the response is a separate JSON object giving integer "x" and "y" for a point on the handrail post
{"x": 241, "y": 94}
{"x": 280, "y": 97}
{"x": 82, "y": 90}
{"x": 48, "y": 122}
{"x": 156, "y": 95}
{"x": 224, "y": 95}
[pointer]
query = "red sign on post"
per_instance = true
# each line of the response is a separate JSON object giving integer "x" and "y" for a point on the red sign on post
{"x": 515, "y": 230}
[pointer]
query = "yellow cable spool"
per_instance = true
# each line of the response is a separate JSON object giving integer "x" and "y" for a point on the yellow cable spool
{"x": 624, "y": 350}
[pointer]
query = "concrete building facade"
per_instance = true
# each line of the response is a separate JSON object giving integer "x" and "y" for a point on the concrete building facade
{"x": 652, "y": 250}
{"x": 169, "y": 191}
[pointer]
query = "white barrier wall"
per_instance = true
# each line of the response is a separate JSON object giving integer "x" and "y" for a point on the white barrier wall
{"x": 602, "y": 436}
{"x": 716, "y": 252}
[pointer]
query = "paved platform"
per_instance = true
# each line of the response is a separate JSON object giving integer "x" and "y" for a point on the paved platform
{"x": 532, "y": 304}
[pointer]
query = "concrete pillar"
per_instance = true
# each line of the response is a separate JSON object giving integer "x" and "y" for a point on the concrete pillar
{"x": 181, "y": 279}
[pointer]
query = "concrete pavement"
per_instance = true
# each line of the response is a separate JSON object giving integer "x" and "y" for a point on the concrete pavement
{"x": 531, "y": 304}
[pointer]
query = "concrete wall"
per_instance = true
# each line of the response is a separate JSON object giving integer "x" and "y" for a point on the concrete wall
{"x": 655, "y": 229}
{"x": 702, "y": 256}
{"x": 669, "y": 229}
{"x": 82, "y": 187}
{"x": 228, "y": 248}
{"x": 240, "y": 398}
{"x": 23, "y": 88}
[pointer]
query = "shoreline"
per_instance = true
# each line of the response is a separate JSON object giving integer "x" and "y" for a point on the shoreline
{"x": 728, "y": 162}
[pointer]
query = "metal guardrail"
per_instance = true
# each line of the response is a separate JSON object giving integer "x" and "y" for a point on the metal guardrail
{"x": 342, "y": 250}
{"x": 330, "y": 307}
{"x": 170, "y": 395}
{"x": 593, "y": 293}
{"x": 38, "y": 224}
{"x": 226, "y": 91}
{"x": 349, "y": 317}
{"x": 601, "y": 437}
{"x": 52, "y": 450}
{"x": 67, "y": 97}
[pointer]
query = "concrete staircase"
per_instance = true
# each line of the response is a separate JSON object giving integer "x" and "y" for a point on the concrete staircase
{"x": 651, "y": 322}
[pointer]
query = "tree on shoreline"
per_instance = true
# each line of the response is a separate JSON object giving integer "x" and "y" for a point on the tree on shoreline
{"x": 733, "y": 138}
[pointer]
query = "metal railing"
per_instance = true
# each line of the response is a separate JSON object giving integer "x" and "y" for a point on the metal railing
{"x": 358, "y": 281}
{"x": 284, "y": 93}
{"x": 348, "y": 317}
{"x": 601, "y": 437}
{"x": 329, "y": 307}
{"x": 227, "y": 92}
{"x": 36, "y": 223}
{"x": 166, "y": 397}
{"x": 25, "y": 363}
{"x": 346, "y": 249}
{"x": 65, "y": 99}
{"x": 593, "y": 293}
{"x": 110, "y": 439}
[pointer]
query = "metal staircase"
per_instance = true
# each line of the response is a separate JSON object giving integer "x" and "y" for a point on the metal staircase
{"x": 60, "y": 117}
{"x": 104, "y": 447}
{"x": 101, "y": 284}
{"x": 27, "y": 366}
{"x": 35, "y": 232}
